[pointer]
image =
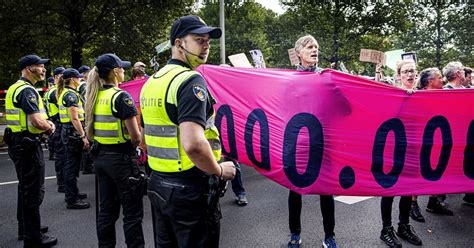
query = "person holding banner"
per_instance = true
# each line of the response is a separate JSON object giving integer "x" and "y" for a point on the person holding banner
{"x": 306, "y": 49}
{"x": 430, "y": 79}
{"x": 183, "y": 143}
{"x": 406, "y": 72}
{"x": 468, "y": 77}
{"x": 454, "y": 73}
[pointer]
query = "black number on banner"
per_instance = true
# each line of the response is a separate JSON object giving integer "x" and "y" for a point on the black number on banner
{"x": 316, "y": 149}
{"x": 254, "y": 116}
{"x": 225, "y": 110}
{"x": 469, "y": 153}
{"x": 425, "y": 155}
{"x": 388, "y": 180}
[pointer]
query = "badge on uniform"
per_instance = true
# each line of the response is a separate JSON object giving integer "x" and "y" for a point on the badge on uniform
{"x": 199, "y": 92}
{"x": 71, "y": 98}
{"x": 128, "y": 101}
{"x": 31, "y": 98}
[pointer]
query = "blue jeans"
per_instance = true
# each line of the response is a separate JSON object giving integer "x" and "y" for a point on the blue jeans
{"x": 237, "y": 185}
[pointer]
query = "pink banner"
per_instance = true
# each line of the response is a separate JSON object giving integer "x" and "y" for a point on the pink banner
{"x": 133, "y": 88}
{"x": 334, "y": 133}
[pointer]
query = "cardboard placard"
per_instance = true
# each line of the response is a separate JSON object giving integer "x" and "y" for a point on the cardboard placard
{"x": 257, "y": 58}
{"x": 293, "y": 57}
{"x": 240, "y": 60}
{"x": 372, "y": 56}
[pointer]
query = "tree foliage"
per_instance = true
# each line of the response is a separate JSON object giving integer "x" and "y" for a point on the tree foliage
{"x": 75, "y": 32}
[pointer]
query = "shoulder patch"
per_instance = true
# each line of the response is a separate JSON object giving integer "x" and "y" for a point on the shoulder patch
{"x": 128, "y": 101}
{"x": 31, "y": 97}
{"x": 199, "y": 92}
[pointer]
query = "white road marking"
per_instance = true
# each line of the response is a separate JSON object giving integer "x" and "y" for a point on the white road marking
{"x": 351, "y": 199}
{"x": 5, "y": 153}
{"x": 13, "y": 182}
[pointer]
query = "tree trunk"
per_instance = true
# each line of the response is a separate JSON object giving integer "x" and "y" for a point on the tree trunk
{"x": 335, "y": 34}
{"x": 77, "y": 42}
{"x": 439, "y": 39}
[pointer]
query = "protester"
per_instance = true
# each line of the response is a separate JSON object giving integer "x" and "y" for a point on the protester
{"x": 111, "y": 122}
{"x": 406, "y": 72}
{"x": 306, "y": 49}
{"x": 26, "y": 122}
{"x": 430, "y": 79}
{"x": 73, "y": 137}
{"x": 183, "y": 143}
{"x": 454, "y": 73}
{"x": 138, "y": 71}
{"x": 467, "y": 77}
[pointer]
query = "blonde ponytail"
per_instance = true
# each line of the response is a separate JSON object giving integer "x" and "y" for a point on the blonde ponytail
{"x": 60, "y": 88}
{"x": 94, "y": 84}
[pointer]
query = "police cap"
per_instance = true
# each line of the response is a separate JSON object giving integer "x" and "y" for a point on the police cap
{"x": 192, "y": 25}
{"x": 71, "y": 73}
{"x": 107, "y": 62}
{"x": 58, "y": 70}
{"x": 31, "y": 59}
{"x": 84, "y": 68}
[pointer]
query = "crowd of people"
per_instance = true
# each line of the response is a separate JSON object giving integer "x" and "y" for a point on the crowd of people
{"x": 183, "y": 146}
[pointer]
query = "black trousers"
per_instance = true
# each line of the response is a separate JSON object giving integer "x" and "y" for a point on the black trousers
{"x": 27, "y": 155}
{"x": 54, "y": 138}
{"x": 386, "y": 209}
{"x": 87, "y": 162}
{"x": 55, "y": 141}
{"x": 181, "y": 216}
{"x": 327, "y": 211}
{"x": 113, "y": 168}
{"x": 73, "y": 155}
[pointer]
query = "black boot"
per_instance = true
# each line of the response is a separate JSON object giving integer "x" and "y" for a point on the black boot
{"x": 434, "y": 206}
{"x": 388, "y": 236}
{"x": 415, "y": 212}
{"x": 406, "y": 232}
{"x": 43, "y": 229}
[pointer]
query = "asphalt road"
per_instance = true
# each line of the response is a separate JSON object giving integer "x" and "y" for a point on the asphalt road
{"x": 262, "y": 223}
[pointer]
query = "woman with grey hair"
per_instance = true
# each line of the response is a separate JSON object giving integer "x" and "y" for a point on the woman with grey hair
{"x": 306, "y": 49}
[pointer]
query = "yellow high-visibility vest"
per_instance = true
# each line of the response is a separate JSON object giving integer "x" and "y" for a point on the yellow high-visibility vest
{"x": 164, "y": 149}
{"x": 64, "y": 114}
{"x": 51, "y": 108}
{"x": 107, "y": 128}
{"x": 17, "y": 119}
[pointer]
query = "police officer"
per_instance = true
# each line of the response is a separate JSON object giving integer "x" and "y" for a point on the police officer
{"x": 87, "y": 166}
{"x": 51, "y": 85}
{"x": 26, "y": 121}
{"x": 84, "y": 70}
{"x": 182, "y": 142}
{"x": 111, "y": 122}
{"x": 57, "y": 72}
{"x": 73, "y": 136}
{"x": 56, "y": 149}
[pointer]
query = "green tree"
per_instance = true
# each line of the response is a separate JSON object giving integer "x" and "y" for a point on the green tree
{"x": 440, "y": 32}
{"x": 245, "y": 28}
{"x": 342, "y": 28}
{"x": 66, "y": 31}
